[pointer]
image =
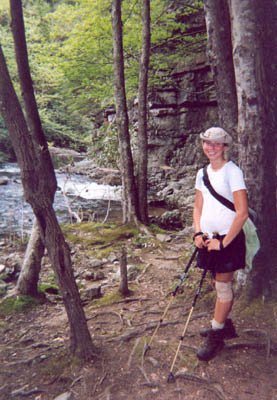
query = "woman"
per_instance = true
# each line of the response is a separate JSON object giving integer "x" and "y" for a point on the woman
{"x": 218, "y": 233}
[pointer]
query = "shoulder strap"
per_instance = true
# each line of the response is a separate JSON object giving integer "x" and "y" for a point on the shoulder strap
{"x": 227, "y": 203}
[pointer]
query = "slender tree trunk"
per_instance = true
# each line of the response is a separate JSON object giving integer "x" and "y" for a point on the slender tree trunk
{"x": 142, "y": 114}
{"x": 36, "y": 184}
{"x": 123, "y": 287}
{"x": 130, "y": 207}
{"x": 252, "y": 27}
{"x": 220, "y": 57}
{"x": 27, "y": 283}
{"x": 32, "y": 261}
{"x": 27, "y": 90}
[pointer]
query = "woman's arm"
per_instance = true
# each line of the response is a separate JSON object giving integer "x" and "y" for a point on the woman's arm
{"x": 197, "y": 211}
{"x": 241, "y": 207}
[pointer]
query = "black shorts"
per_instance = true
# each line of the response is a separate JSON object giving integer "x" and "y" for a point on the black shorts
{"x": 229, "y": 259}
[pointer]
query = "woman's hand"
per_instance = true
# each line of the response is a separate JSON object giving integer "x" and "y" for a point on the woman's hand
{"x": 212, "y": 244}
{"x": 199, "y": 241}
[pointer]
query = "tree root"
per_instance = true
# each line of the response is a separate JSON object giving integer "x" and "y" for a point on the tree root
{"x": 99, "y": 383}
{"x": 259, "y": 333}
{"x": 192, "y": 377}
{"x": 140, "y": 332}
{"x": 132, "y": 299}
{"x": 106, "y": 313}
{"x": 253, "y": 345}
{"x": 106, "y": 395}
{"x": 209, "y": 385}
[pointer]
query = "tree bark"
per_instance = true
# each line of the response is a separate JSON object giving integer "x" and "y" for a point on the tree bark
{"x": 129, "y": 201}
{"x": 38, "y": 192}
{"x": 32, "y": 260}
{"x": 142, "y": 114}
{"x": 252, "y": 73}
{"x": 123, "y": 287}
{"x": 27, "y": 283}
{"x": 220, "y": 58}
{"x": 252, "y": 27}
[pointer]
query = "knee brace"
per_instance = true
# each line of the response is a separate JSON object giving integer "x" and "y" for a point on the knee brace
{"x": 224, "y": 291}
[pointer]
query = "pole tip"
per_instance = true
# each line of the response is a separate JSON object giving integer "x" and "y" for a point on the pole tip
{"x": 171, "y": 378}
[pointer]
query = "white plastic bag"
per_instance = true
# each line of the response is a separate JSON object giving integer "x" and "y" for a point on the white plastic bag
{"x": 252, "y": 243}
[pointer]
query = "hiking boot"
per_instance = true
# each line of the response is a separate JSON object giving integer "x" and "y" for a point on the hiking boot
{"x": 228, "y": 331}
{"x": 212, "y": 346}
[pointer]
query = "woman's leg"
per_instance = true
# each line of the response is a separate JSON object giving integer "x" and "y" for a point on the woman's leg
{"x": 215, "y": 335}
{"x": 224, "y": 301}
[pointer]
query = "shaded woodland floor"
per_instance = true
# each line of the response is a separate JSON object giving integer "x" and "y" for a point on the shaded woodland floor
{"x": 36, "y": 364}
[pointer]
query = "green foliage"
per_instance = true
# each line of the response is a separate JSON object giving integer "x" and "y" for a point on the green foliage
{"x": 104, "y": 146}
{"x": 71, "y": 60}
{"x": 96, "y": 234}
{"x": 17, "y": 304}
{"x": 6, "y": 150}
{"x": 49, "y": 284}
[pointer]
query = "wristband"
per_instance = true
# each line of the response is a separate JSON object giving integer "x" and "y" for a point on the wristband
{"x": 221, "y": 245}
{"x": 197, "y": 234}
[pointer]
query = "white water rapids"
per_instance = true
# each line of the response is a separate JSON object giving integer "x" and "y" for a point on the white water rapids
{"x": 76, "y": 194}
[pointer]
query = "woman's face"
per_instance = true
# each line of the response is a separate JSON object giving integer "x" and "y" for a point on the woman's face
{"x": 213, "y": 150}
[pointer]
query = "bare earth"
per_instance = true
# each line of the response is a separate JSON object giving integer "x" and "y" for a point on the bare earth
{"x": 36, "y": 364}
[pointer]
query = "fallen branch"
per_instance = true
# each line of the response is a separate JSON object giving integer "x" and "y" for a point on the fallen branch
{"x": 132, "y": 353}
{"x": 76, "y": 380}
{"x": 22, "y": 362}
{"x": 143, "y": 273}
{"x": 108, "y": 212}
{"x": 142, "y": 370}
{"x": 26, "y": 393}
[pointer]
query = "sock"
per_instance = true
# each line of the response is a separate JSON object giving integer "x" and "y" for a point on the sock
{"x": 216, "y": 325}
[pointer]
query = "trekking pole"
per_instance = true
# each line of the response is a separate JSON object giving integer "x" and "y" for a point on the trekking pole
{"x": 171, "y": 377}
{"x": 173, "y": 294}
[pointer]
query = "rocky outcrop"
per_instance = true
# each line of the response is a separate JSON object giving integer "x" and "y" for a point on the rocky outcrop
{"x": 177, "y": 115}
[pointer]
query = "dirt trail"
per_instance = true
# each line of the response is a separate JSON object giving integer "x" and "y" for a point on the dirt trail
{"x": 35, "y": 363}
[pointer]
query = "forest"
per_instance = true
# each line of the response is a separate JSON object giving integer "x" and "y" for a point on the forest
{"x": 118, "y": 82}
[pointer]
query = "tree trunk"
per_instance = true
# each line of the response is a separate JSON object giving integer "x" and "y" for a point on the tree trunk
{"x": 27, "y": 283}
{"x": 38, "y": 192}
{"x": 123, "y": 287}
{"x": 31, "y": 266}
{"x": 30, "y": 105}
{"x": 252, "y": 27}
{"x": 220, "y": 57}
{"x": 142, "y": 115}
{"x": 254, "y": 62}
{"x": 129, "y": 201}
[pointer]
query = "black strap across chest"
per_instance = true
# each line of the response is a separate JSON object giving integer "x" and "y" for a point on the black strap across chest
{"x": 227, "y": 203}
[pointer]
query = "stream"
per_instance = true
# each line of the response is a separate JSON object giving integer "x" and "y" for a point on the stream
{"x": 76, "y": 195}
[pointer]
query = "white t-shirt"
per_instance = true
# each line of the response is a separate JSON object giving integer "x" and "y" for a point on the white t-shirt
{"x": 215, "y": 216}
